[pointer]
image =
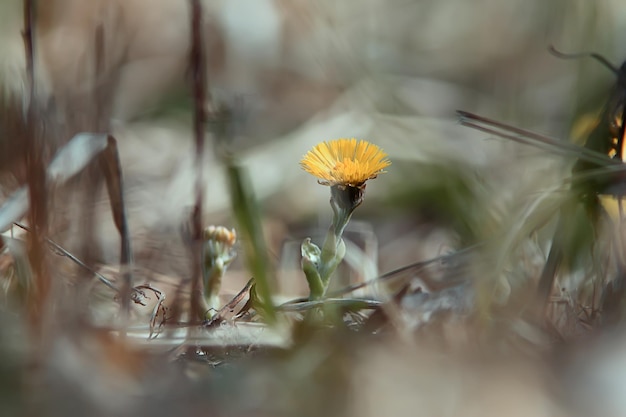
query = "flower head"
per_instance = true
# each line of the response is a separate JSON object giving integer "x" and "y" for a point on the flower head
{"x": 345, "y": 162}
{"x": 219, "y": 245}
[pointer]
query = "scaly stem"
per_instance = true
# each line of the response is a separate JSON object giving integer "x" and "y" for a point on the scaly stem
{"x": 213, "y": 283}
{"x": 319, "y": 265}
{"x": 334, "y": 249}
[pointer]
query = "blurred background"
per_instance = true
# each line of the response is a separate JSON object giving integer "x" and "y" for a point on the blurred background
{"x": 292, "y": 73}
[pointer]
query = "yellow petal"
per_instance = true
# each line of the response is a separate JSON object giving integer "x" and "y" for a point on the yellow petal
{"x": 345, "y": 162}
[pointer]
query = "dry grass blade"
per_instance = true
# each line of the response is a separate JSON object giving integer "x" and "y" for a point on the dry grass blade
{"x": 352, "y": 304}
{"x": 158, "y": 308}
{"x": 528, "y": 137}
{"x": 75, "y": 156}
{"x": 229, "y": 308}
{"x": 407, "y": 270}
{"x": 137, "y": 295}
{"x": 13, "y": 209}
{"x": 110, "y": 164}
{"x": 69, "y": 160}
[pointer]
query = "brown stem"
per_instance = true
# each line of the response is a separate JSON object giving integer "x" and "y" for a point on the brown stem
{"x": 112, "y": 169}
{"x": 197, "y": 63}
{"x": 27, "y": 35}
{"x": 36, "y": 179}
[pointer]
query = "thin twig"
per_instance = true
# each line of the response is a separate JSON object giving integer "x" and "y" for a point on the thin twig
{"x": 137, "y": 294}
{"x": 199, "y": 86}
{"x": 356, "y": 303}
{"x": 112, "y": 169}
{"x": 230, "y": 306}
{"x": 159, "y": 307}
{"x": 414, "y": 267}
{"x": 27, "y": 35}
{"x": 528, "y": 137}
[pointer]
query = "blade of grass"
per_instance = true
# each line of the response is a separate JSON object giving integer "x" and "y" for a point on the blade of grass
{"x": 112, "y": 169}
{"x": 246, "y": 211}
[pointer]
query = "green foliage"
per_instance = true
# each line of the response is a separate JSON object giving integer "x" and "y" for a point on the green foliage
{"x": 248, "y": 217}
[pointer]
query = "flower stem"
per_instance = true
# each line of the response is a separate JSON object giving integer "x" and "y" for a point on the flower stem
{"x": 334, "y": 248}
{"x": 319, "y": 265}
{"x": 218, "y": 253}
{"x": 213, "y": 283}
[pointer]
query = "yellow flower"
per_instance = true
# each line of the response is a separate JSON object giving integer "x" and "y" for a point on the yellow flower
{"x": 346, "y": 162}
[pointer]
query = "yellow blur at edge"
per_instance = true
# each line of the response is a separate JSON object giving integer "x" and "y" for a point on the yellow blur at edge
{"x": 581, "y": 130}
